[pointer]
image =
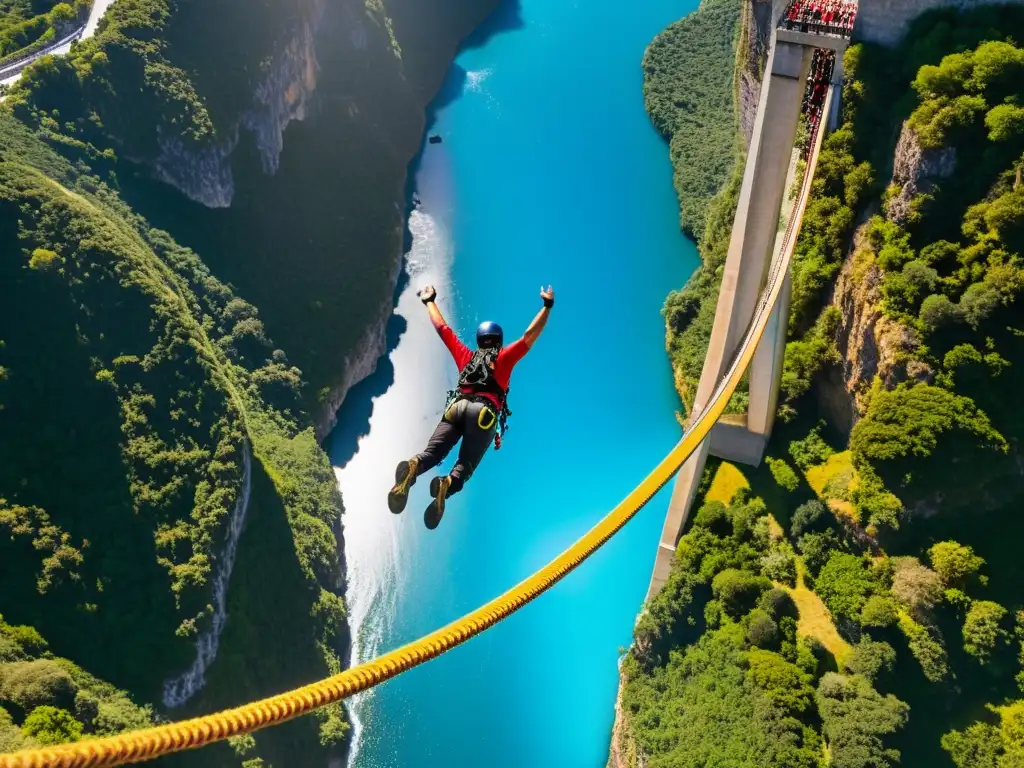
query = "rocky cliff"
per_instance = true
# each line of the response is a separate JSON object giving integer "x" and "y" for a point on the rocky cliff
{"x": 755, "y": 41}
{"x": 915, "y": 172}
{"x": 300, "y": 200}
{"x": 869, "y": 343}
{"x": 282, "y": 93}
{"x": 885, "y": 21}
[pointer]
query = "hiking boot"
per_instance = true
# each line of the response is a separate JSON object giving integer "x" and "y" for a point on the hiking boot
{"x": 435, "y": 510}
{"x": 405, "y": 478}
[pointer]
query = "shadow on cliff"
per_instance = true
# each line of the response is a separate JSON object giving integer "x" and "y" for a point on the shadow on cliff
{"x": 507, "y": 17}
{"x": 354, "y": 415}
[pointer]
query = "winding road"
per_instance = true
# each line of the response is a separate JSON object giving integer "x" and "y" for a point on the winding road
{"x": 12, "y": 71}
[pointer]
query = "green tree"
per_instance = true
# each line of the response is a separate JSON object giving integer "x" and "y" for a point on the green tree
{"x": 857, "y": 722}
{"x": 243, "y": 744}
{"x": 879, "y": 611}
{"x": 779, "y": 564}
{"x": 762, "y": 631}
{"x": 926, "y": 647}
{"x": 984, "y": 631}
{"x": 870, "y": 658}
{"x": 938, "y": 312}
{"x": 738, "y": 590}
{"x": 714, "y": 516}
{"x": 978, "y": 746}
{"x": 50, "y": 725}
{"x": 31, "y": 684}
{"x": 787, "y": 686}
{"x": 844, "y": 585}
{"x": 809, "y": 516}
{"x": 978, "y": 303}
{"x": 817, "y": 548}
{"x": 990, "y": 746}
{"x": 783, "y": 474}
{"x": 11, "y": 737}
{"x": 62, "y": 13}
{"x": 954, "y": 562}
{"x": 810, "y": 451}
{"x": 43, "y": 260}
{"x": 1005, "y": 122}
{"x": 778, "y": 603}
{"x": 908, "y": 421}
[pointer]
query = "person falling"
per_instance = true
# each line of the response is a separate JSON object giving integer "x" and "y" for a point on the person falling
{"x": 476, "y": 408}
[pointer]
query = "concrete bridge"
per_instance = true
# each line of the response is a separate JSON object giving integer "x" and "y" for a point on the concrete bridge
{"x": 763, "y": 235}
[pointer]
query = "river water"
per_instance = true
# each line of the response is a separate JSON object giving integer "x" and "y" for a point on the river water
{"x": 549, "y": 172}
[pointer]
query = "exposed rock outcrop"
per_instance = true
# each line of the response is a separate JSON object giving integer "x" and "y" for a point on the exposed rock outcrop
{"x": 885, "y": 21}
{"x": 179, "y": 690}
{"x": 203, "y": 175}
{"x": 360, "y": 363}
{"x": 869, "y": 343}
{"x": 624, "y": 752}
{"x": 758, "y": 18}
{"x": 284, "y": 93}
{"x": 915, "y": 172}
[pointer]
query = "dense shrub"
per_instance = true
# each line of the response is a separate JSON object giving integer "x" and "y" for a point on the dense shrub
{"x": 738, "y": 590}
{"x": 845, "y": 584}
{"x": 870, "y": 658}
{"x": 983, "y": 629}
{"x": 858, "y": 722}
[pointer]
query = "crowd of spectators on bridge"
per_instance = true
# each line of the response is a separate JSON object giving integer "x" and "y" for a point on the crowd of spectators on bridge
{"x": 818, "y": 81}
{"x": 823, "y": 17}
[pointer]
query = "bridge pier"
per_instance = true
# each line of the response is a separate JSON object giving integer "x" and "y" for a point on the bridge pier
{"x": 837, "y": 83}
{"x": 753, "y": 245}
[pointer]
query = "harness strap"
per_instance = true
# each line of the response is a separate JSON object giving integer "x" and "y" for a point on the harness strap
{"x": 484, "y": 412}
{"x": 479, "y": 374}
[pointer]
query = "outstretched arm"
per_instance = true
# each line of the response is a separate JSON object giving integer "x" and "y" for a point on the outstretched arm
{"x": 460, "y": 352}
{"x": 427, "y": 296}
{"x": 533, "y": 332}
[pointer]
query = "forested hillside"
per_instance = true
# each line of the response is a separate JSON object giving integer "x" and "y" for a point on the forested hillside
{"x": 188, "y": 194}
{"x": 227, "y": 146}
{"x": 30, "y": 25}
{"x": 689, "y": 72}
{"x": 146, "y": 419}
{"x": 875, "y": 550}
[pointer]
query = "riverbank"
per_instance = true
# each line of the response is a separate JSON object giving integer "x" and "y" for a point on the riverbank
{"x": 711, "y": 62}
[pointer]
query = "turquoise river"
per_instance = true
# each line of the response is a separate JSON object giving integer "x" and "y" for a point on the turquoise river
{"x": 549, "y": 172}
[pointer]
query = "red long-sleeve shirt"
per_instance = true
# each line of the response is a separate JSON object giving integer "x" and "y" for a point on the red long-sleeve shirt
{"x": 507, "y": 359}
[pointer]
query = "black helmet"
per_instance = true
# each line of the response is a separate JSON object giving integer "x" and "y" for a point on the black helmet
{"x": 489, "y": 335}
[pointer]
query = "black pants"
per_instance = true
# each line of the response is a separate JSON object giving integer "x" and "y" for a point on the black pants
{"x": 474, "y": 423}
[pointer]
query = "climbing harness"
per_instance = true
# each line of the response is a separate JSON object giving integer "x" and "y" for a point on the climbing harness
{"x": 478, "y": 375}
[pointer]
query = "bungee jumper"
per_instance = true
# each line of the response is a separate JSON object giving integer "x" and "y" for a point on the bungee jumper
{"x": 476, "y": 411}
